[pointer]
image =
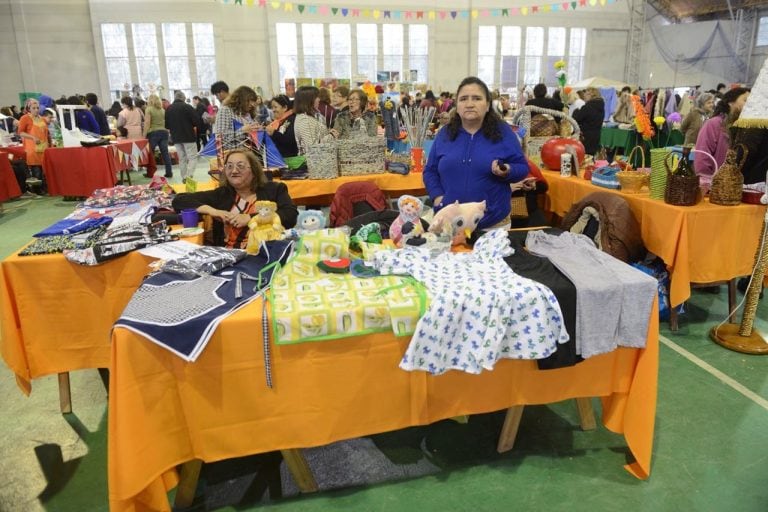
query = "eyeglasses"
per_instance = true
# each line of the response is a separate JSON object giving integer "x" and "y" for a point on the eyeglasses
{"x": 240, "y": 166}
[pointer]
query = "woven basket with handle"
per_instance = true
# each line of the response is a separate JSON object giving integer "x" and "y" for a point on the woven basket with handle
{"x": 681, "y": 190}
{"x": 633, "y": 180}
{"x": 532, "y": 145}
{"x": 728, "y": 181}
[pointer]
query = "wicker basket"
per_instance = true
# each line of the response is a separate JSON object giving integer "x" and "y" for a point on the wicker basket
{"x": 322, "y": 161}
{"x": 658, "y": 179}
{"x": 532, "y": 145}
{"x": 681, "y": 190}
{"x": 633, "y": 180}
{"x": 728, "y": 182}
{"x": 361, "y": 155}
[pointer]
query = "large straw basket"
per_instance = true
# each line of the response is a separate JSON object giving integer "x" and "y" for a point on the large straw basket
{"x": 658, "y": 179}
{"x": 532, "y": 145}
{"x": 681, "y": 190}
{"x": 633, "y": 180}
{"x": 728, "y": 182}
{"x": 361, "y": 155}
{"x": 322, "y": 161}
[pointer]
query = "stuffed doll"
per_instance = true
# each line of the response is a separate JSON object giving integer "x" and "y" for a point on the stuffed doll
{"x": 264, "y": 226}
{"x": 410, "y": 211}
{"x": 457, "y": 220}
{"x": 309, "y": 220}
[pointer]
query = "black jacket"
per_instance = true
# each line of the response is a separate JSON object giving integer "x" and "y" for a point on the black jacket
{"x": 223, "y": 198}
{"x": 285, "y": 138}
{"x": 182, "y": 119}
{"x": 590, "y": 118}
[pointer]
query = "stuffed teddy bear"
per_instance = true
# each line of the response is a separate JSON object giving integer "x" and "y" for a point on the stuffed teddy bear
{"x": 308, "y": 220}
{"x": 458, "y": 220}
{"x": 264, "y": 226}
{"x": 410, "y": 211}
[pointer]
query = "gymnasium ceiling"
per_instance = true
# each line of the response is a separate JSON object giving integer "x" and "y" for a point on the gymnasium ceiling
{"x": 685, "y": 10}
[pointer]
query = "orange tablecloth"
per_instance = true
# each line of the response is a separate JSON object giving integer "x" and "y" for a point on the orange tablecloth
{"x": 700, "y": 244}
{"x": 78, "y": 171}
{"x": 56, "y": 316}
{"x": 164, "y": 411}
{"x": 321, "y": 191}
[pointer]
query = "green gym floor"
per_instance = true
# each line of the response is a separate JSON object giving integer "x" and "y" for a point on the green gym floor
{"x": 709, "y": 454}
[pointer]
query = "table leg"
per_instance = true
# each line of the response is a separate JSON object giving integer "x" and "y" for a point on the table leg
{"x": 300, "y": 470}
{"x": 586, "y": 413}
{"x": 65, "y": 394}
{"x": 185, "y": 491}
{"x": 673, "y": 326}
{"x": 732, "y": 300}
{"x": 509, "y": 430}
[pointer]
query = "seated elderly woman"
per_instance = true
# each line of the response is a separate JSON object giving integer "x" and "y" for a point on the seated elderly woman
{"x": 232, "y": 204}
{"x": 357, "y": 119}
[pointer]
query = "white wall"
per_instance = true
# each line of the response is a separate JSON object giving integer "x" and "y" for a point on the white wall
{"x": 61, "y": 54}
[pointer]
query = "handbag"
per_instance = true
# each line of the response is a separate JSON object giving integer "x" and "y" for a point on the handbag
{"x": 605, "y": 177}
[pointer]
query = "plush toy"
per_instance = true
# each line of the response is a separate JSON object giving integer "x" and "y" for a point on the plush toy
{"x": 264, "y": 226}
{"x": 410, "y": 211}
{"x": 308, "y": 220}
{"x": 457, "y": 220}
{"x": 369, "y": 233}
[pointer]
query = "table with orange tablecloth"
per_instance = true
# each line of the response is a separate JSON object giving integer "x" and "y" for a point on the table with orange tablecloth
{"x": 9, "y": 187}
{"x": 164, "y": 411}
{"x": 56, "y": 316}
{"x": 704, "y": 243}
{"x": 78, "y": 171}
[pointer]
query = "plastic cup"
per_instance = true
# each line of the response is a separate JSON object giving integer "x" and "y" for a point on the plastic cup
{"x": 190, "y": 218}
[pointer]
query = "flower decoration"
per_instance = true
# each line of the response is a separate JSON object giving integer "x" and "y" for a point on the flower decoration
{"x": 567, "y": 90}
{"x": 659, "y": 121}
{"x": 674, "y": 118}
{"x": 642, "y": 121}
{"x": 560, "y": 73}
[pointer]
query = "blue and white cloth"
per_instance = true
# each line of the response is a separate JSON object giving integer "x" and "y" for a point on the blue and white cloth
{"x": 480, "y": 310}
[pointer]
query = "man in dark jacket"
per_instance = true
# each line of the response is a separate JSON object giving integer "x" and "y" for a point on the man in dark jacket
{"x": 101, "y": 117}
{"x": 182, "y": 121}
{"x": 590, "y": 118}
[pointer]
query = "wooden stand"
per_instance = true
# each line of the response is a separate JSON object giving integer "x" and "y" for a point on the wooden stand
{"x": 728, "y": 336}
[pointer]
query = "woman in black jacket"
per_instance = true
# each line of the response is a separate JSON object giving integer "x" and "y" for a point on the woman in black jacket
{"x": 590, "y": 118}
{"x": 232, "y": 204}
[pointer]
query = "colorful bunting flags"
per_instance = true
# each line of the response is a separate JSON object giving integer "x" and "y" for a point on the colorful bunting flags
{"x": 325, "y": 10}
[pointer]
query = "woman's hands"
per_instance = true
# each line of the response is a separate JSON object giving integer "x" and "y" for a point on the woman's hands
{"x": 499, "y": 169}
{"x": 526, "y": 184}
{"x": 238, "y": 220}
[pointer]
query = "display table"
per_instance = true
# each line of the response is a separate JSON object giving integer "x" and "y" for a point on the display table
{"x": 321, "y": 191}
{"x": 17, "y": 151}
{"x": 56, "y": 316}
{"x": 698, "y": 243}
{"x": 618, "y": 138}
{"x": 78, "y": 171}
{"x": 164, "y": 411}
{"x": 9, "y": 187}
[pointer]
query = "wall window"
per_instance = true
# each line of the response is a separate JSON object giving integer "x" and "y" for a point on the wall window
{"x": 418, "y": 53}
{"x": 314, "y": 49}
{"x": 529, "y": 58}
{"x": 144, "y": 52}
{"x": 392, "y": 50}
{"x": 341, "y": 50}
{"x": 534, "y": 51}
{"x": 367, "y": 49}
{"x": 577, "y": 50}
{"x": 762, "y": 32}
{"x": 555, "y": 51}
{"x": 116, "y": 56}
{"x": 287, "y": 52}
{"x": 176, "y": 59}
{"x": 486, "y": 54}
{"x": 205, "y": 56}
{"x": 147, "y": 57}
{"x": 510, "y": 56}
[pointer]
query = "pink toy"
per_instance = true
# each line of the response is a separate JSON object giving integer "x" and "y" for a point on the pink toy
{"x": 458, "y": 220}
{"x": 410, "y": 211}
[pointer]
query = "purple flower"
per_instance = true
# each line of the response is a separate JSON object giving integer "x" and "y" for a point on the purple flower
{"x": 674, "y": 117}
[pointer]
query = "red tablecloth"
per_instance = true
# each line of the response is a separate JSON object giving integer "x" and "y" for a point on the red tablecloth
{"x": 16, "y": 151}
{"x": 9, "y": 187}
{"x": 78, "y": 171}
